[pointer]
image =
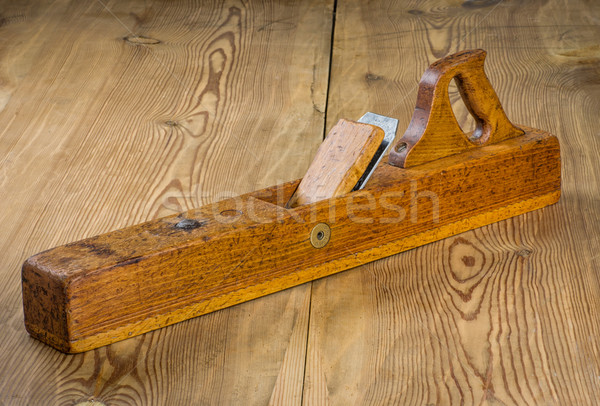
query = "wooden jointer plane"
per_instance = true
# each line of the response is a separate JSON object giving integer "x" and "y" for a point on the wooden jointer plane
{"x": 346, "y": 211}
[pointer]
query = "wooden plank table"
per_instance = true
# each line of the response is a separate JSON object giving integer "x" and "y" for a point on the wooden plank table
{"x": 118, "y": 112}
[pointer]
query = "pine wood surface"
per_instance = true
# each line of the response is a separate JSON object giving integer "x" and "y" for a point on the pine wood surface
{"x": 98, "y": 135}
{"x": 507, "y": 314}
{"x": 103, "y": 129}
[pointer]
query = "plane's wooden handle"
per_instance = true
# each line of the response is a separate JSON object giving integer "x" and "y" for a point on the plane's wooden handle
{"x": 433, "y": 132}
{"x": 340, "y": 162}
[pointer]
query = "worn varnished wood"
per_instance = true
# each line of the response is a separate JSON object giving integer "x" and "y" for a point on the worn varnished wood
{"x": 341, "y": 160}
{"x": 433, "y": 131}
{"x": 509, "y": 313}
{"x": 171, "y": 269}
{"x": 102, "y": 129}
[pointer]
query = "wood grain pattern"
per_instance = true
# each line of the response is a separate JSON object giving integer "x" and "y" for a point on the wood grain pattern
{"x": 119, "y": 112}
{"x": 340, "y": 161}
{"x": 158, "y": 273}
{"x": 80, "y": 155}
{"x": 507, "y": 314}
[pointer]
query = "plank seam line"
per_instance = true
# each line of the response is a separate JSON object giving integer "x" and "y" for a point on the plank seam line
{"x": 307, "y": 341}
{"x": 333, "y": 20}
{"x": 331, "y": 41}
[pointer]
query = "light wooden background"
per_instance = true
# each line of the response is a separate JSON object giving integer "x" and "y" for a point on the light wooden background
{"x": 115, "y": 112}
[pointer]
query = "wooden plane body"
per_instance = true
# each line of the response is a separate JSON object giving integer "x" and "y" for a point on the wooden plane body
{"x": 127, "y": 282}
